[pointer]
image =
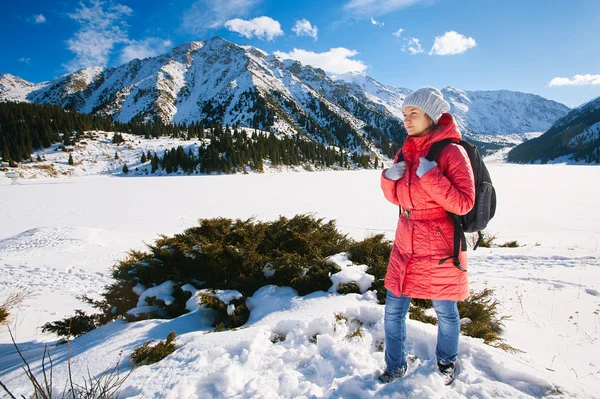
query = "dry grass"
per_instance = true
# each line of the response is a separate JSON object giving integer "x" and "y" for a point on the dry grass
{"x": 13, "y": 300}
{"x": 104, "y": 386}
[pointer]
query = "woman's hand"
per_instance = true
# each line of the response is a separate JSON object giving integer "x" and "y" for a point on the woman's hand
{"x": 425, "y": 166}
{"x": 396, "y": 171}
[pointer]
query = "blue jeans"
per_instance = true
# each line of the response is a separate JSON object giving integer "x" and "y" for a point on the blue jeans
{"x": 396, "y": 308}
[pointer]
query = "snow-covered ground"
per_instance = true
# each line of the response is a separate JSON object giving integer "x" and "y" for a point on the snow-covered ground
{"x": 96, "y": 154}
{"x": 60, "y": 237}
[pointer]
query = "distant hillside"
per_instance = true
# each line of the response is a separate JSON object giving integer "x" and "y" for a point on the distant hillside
{"x": 573, "y": 138}
{"x": 34, "y": 135}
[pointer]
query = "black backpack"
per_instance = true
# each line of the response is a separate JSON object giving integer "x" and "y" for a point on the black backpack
{"x": 485, "y": 198}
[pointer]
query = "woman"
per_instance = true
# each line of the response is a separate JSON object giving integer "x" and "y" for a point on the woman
{"x": 426, "y": 191}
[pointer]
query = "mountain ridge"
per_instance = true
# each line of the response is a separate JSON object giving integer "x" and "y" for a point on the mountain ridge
{"x": 219, "y": 81}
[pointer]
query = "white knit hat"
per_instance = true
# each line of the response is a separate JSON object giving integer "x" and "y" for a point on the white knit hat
{"x": 430, "y": 100}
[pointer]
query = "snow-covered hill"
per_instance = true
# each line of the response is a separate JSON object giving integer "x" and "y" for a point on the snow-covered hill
{"x": 575, "y": 138}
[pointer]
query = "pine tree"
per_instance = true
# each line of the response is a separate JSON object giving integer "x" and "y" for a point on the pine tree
{"x": 71, "y": 160}
{"x": 116, "y": 155}
{"x": 125, "y": 169}
{"x": 143, "y": 159}
{"x": 67, "y": 139}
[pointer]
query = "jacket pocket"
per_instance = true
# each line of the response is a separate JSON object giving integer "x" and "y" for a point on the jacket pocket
{"x": 441, "y": 238}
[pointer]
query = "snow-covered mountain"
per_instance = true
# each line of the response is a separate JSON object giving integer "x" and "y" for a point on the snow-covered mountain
{"x": 13, "y": 88}
{"x": 573, "y": 138}
{"x": 217, "y": 80}
{"x": 476, "y": 112}
{"x": 389, "y": 96}
{"x": 502, "y": 111}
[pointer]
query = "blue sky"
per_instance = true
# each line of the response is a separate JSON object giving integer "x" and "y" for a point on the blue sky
{"x": 545, "y": 47}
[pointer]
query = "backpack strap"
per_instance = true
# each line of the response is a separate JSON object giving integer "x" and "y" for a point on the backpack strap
{"x": 399, "y": 158}
{"x": 460, "y": 242}
{"x": 437, "y": 147}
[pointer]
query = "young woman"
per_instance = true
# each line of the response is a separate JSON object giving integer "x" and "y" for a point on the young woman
{"x": 426, "y": 191}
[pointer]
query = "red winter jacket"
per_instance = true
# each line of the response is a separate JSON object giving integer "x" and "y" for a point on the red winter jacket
{"x": 427, "y": 235}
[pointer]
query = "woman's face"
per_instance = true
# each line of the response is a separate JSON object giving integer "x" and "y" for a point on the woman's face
{"x": 416, "y": 121}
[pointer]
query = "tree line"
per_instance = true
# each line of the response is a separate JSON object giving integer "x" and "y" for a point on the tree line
{"x": 25, "y": 127}
{"x": 233, "y": 150}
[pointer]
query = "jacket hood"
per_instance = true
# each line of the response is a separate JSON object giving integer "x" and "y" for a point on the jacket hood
{"x": 445, "y": 129}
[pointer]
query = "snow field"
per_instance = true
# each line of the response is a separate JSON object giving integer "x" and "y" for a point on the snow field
{"x": 549, "y": 286}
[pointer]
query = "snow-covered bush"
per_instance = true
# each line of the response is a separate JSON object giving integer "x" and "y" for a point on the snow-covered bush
{"x": 221, "y": 262}
{"x": 231, "y": 310}
{"x": 375, "y": 252}
{"x": 150, "y": 354}
{"x": 223, "y": 254}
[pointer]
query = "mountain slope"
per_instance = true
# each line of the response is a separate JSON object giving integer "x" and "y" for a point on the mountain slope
{"x": 575, "y": 137}
{"x": 218, "y": 81}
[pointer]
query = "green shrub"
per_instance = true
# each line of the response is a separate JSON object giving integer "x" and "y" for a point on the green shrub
{"x": 510, "y": 244}
{"x": 350, "y": 288}
{"x": 487, "y": 240}
{"x": 231, "y": 255}
{"x": 73, "y": 326}
{"x": 224, "y": 320}
{"x": 225, "y": 254}
{"x": 417, "y": 310}
{"x": 482, "y": 311}
{"x": 147, "y": 354}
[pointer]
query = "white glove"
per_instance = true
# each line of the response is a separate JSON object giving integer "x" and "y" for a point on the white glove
{"x": 396, "y": 171}
{"x": 425, "y": 166}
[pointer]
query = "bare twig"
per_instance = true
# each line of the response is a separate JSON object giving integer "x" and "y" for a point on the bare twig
{"x": 6, "y": 390}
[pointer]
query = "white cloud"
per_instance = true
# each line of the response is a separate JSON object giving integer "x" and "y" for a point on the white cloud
{"x": 577, "y": 80}
{"x": 261, "y": 27}
{"x": 39, "y": 19}
{"x": 209, "y": 14}
{"x": 304, "y": 28}
{"x": 398, "y": 33}
{"x": 376, "y": 23}
{"x": 144, "y": 48}
{"x": 378, "y": 7}
{"x": 452, "y": 43}
{"x": 25, "y": 60}
{"x": 413, "y": 46}
{"x": 101, "y": 27}
{"x": 336, "y": 60}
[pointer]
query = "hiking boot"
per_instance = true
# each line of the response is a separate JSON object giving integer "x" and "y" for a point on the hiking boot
{"x": 447, "y": 371}
{"x": 387, "y": 377}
